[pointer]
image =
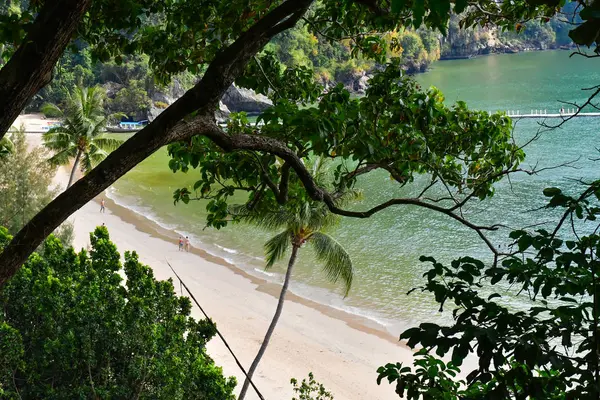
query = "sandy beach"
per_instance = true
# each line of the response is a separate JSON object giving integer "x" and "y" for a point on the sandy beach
{"x": 342, "y": 352}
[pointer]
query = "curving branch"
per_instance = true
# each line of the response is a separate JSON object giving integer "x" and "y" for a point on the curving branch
{"x": 30, "y": 68}
{"x": 168, "y": 127}
{"x": 231, "y": 143}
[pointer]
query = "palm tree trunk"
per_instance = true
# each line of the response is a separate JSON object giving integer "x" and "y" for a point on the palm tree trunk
{"x": 75, "y": 163}
{"x": 267, "y": 338}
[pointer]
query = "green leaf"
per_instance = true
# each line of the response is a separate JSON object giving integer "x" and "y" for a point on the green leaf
{"x": 398, "y": 6}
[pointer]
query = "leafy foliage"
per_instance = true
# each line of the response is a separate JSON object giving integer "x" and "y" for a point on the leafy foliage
{"x": 310, "y": 390}
{"x": 132, "y": 100}
{"x": 71, "y": 327}
{"x": 549, "y": 350}
{"x": 397, "y": 127}
{"x": 302, "y": 224}
{"x": 80, "y": 136}
{"x": 25, "y": 178}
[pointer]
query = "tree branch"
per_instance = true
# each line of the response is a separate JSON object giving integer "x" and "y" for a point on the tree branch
{"x": 30, "y": 68}
{"x": 168, "y": 127}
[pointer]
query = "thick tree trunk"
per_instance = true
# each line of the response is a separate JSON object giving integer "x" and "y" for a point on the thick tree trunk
{"x": 75, "y": 164}
{"x": 30, "y": 68}
{"x": 169, "y": 126}
{"x": 265, "y": 343}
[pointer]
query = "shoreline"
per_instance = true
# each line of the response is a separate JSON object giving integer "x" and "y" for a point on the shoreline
{"x": 341, "y": 350}
{"x": 152, "y": 228}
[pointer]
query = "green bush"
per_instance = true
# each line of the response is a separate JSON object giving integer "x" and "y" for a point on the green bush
{"x": 310, "y": 390}
{"x": 72, "y": 328}
{"x": 160, "y": 104}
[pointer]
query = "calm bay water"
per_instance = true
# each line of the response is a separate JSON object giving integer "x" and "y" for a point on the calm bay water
{"x": 386, "y": 248}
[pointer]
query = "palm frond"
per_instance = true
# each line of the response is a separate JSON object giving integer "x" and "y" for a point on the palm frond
{"x": 319, "y": 168}
{"x": 59, "y": 139}
{"x": 52, "y": 109}
{"x": 63, "y": 157}
{"x": 95, "y": 155}
{"x": 337, "y": 263}
{"x": 348, "y": 196}
{"x": 320, "y": 217}
{"x": 266, "y": 219}
{"x": 86, "y": 164}
{"x": 276, "y": 247}
{"x": 6, "y": 147}
{"x": 107, "y": 143}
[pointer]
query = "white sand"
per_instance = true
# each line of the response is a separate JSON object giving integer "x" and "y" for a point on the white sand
{"x": 344, "y": 359}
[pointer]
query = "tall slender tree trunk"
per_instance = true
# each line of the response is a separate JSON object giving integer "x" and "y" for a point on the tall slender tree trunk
{"x": 265, "y": 343}
{"x": 75, "y": 164}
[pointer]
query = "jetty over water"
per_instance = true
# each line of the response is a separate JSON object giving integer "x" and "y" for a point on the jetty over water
{"x": 543, "y": 114}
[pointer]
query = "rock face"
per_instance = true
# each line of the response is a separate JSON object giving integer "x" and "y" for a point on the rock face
{"x": 362, "y": 84}
{"x": 239, "y": 99}
{"x": 235, "y": 100}
{"x": 223, "y": 113}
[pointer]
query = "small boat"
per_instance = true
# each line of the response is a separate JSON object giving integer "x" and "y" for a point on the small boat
{"x": 127, "y": 127}
{"x": 117, "y": 129}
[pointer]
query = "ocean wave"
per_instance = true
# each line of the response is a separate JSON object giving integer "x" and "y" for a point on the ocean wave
{"x": 262, "y": 271}
{"x": 143, "y": 211}
{"x": 228, "y": 250}
{"x": 309, "y": 292}
{"x": 361, "y": 312}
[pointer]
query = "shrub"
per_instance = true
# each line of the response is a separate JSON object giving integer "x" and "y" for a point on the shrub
{"x": 72, "y": 328}
{"x": 310, "y": 390}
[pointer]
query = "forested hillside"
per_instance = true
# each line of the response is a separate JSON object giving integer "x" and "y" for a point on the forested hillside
{"x": 133, "y": 90}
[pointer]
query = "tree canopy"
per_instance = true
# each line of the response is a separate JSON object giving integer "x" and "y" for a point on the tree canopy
{"x": 545, "y": 349}
{"x": 72, "y": 327}
{"x": 222, "y": 41}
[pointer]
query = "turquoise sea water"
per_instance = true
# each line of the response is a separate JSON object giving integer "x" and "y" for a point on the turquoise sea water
{"x": 386, "y": 247}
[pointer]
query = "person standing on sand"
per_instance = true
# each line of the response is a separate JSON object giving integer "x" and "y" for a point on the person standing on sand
{"x": 187, "y": 244}
{"x": 180, "y": 243}
{"x": 102, "y": 207}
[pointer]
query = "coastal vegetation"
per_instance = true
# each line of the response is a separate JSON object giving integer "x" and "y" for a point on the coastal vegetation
{"x": 303, "y": 224}
{"x": 450, "y": 155}
{"x": 546, "y": 350}
{"x": 73, "y": 327}
{"x": 80, "y": 137}
{"x": 133, "y": 91}
{"x": 310, "y": 390}
{"x": 25, "y": 180}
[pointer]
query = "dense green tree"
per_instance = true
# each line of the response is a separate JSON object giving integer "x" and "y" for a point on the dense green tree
{"x": 72, "y": 327}
{"x": 304, "y": 224}
{"x": 80, "y": 137}
{"x": 131, "y": 100}
{"x": 25, "y": 178}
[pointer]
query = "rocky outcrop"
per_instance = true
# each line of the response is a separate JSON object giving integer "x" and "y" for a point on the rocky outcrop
{"x": 235, "y": 100}
{"x": 111, "y": 89}
{"x": 240, "y": 99}
{"x": 361, "y": 85}
{"x": 223, "y": 113}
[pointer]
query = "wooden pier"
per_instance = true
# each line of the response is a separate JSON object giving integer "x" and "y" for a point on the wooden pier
{"x": 543, "y": 114}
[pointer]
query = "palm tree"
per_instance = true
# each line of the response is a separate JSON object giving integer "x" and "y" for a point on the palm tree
{"x": 80, "y": 136}
{"x": 305, "y": 225}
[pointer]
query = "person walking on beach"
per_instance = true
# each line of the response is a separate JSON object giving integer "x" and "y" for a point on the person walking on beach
{"x": 180, "y": 243}
{"x": 102, "y": 207}
{"x": 187, "y": 244}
